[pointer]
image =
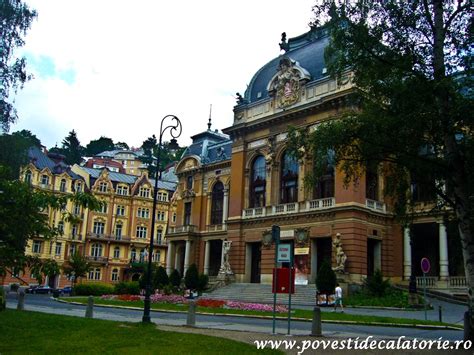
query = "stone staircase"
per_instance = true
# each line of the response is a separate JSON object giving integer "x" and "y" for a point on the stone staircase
{"x": 262, "y": 293}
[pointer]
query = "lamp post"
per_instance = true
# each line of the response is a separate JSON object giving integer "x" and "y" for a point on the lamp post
{"x": 175, "y": 131}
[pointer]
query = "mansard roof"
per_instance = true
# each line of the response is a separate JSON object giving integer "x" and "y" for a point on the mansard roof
{"x": 307, "y": 50}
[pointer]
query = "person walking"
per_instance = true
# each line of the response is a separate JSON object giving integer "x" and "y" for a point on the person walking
{"x": 338, "y": 302}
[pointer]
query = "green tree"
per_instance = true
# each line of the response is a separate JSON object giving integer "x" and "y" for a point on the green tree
{"x": 175, "y": 278}
{"x": 160, "y": 278}
{"x": 72, "y": 149}
{"x": 14, "y": 152}
{"x": 122, "y": 145}
{"x": 412, "y": 103}
{"x": 28, "y": 136}
{"x": 326, "y": 279}
{"x": 191, "y": 277}
{"x": 76, "y": 267}
{"x": 16, "y": 18}
{"x": 150, "y": 149}
{"x": 100, "y": 145}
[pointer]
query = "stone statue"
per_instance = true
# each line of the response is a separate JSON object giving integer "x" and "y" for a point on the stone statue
{"x": 341, "y": 257}
{"x": 240, "y": 99}
{"x": 284, "y": 45}
{"x": 225, "y": 267}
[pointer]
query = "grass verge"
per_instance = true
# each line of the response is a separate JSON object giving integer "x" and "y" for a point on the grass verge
{"x": 58, "y": 334}
{"x": 297, "y": 313}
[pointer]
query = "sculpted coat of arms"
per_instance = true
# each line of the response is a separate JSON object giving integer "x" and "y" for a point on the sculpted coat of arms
{"x": 286, "y": 84}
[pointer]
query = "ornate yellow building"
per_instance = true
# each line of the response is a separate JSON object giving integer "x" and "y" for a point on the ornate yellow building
{"x": 116, "y": 239}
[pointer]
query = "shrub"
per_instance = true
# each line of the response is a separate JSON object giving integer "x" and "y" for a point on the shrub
{"x": 326, "y": 279}
{"x": 376, "y": 285}
{"x": 168, "y": 289}
{"x": 191, "y": 278}
{"x": 3, "y": 299}
{"x": 202, "y": 282}
{"x": 160, "y": 278}
{"x": 127, "y": 288}
{"x": 175, "y": 278}
{"x": 93, "y": 289}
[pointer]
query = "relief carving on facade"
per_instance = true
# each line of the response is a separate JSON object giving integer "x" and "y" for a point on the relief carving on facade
{"x": 285, "y": 86}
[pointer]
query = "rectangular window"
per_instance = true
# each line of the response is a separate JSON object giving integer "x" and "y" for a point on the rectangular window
{"x": 118, "y": 232}
{"x": 115, "y": 275}
{"x": 74, "y": 230}
{"x": 103, "y": 187}
{"x": 143, "y": 212}
{"x": 94, "y": 274}
{"x": 189, "y": 182}
{"x": 174, "y": 217}
{"x": 144, "y": 192}
{"x": 99, "y": 227}
{"x": 44, "y": 180}
{"x": 187, "y": 213}
{"x": 36, "y": 246}
{"x": 58, "y": 249}
{"x": 103, "y": 209}
{"x": 116, "y": 253}
{"x": 159, "y": 236}
{"x": 122, "y": 190}
{"x": 156, "y": 256}
{"x": 77, "y": 210}
{"x": 120, "y": 210}
{"x": 72, "y": 249}
{"x": 141, "y": 232}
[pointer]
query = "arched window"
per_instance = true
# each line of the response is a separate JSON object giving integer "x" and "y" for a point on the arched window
{"x": 96, "y": 249}
{"x": 258, "y": 182}
{"x": 115, "y": 275}
{"x": 28, "y": 177}
{"x": 289, "y": 179}
{"x": 324, "y": 187}
{"x": 217, "y": 204}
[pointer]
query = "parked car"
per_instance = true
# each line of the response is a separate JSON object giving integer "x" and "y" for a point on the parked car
{"x": 39, "y": 289}
{"x": 65, "y": 290}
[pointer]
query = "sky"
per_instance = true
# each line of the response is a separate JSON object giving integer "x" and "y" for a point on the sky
{"x": 115, "y": 68}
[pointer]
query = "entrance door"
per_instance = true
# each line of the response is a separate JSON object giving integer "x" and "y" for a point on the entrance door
{"x": 255, "y": 264}
{"x": 215, "y": 257}
{"x": 324, "y": 251}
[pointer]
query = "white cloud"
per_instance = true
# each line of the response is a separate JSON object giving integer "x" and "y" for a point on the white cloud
{"x": 135, "y": 62}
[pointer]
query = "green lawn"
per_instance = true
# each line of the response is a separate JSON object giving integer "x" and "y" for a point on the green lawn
{"x": 32, "y": 332}
{"x": 298, "y": 313}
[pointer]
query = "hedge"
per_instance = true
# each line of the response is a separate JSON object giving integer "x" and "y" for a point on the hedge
{"x": 93, "y": 289}
{"x": 127, "y": 288}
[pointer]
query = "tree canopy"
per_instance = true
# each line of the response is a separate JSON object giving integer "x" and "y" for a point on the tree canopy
{"x": 14, "y": 149}
{"x": 100, "y": 145}
{"x": 410, "y": 112}
{"x": 16, "y": 18}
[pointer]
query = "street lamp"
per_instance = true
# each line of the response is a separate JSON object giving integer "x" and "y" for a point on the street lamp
{"x": 175, "y": 131}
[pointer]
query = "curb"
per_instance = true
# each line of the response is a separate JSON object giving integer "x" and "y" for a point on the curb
{"x": 330, "y": 321}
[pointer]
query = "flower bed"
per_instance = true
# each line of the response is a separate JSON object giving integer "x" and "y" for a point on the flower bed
{"x": 203, "y": 302}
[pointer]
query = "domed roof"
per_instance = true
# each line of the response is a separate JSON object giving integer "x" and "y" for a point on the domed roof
{"x": 307, "y": 50}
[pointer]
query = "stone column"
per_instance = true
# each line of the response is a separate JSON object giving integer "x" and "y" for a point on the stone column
{"x": 406, "y": 253}
{"x": 207, "y": 255}
{"x": 169, "y": 257}
{"x": 443, "y": 253}
{"x": 225, "y": 212}
{"x": 177, "y": 258}
{"x": 187, "y": 255}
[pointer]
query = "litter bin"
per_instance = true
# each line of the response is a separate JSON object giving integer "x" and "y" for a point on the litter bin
{"x": 56, "y": 293}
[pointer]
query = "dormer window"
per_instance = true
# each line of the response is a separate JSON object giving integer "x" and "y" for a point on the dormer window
{"x": 103, "y": 187}
{"x": 144, "y": 192}
{"x": 28, "y": 177}
{"x": 44, "y": 180}
{"x": 62, "y": 185}
{"x": 122, "y": 190}
{"x": 79, "y": 186}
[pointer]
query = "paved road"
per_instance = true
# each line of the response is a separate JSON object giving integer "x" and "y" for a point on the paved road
{"x": 43, "y": 303}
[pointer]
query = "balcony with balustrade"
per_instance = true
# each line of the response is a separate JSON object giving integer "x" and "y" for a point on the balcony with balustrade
{"x": 289, "y": 208}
